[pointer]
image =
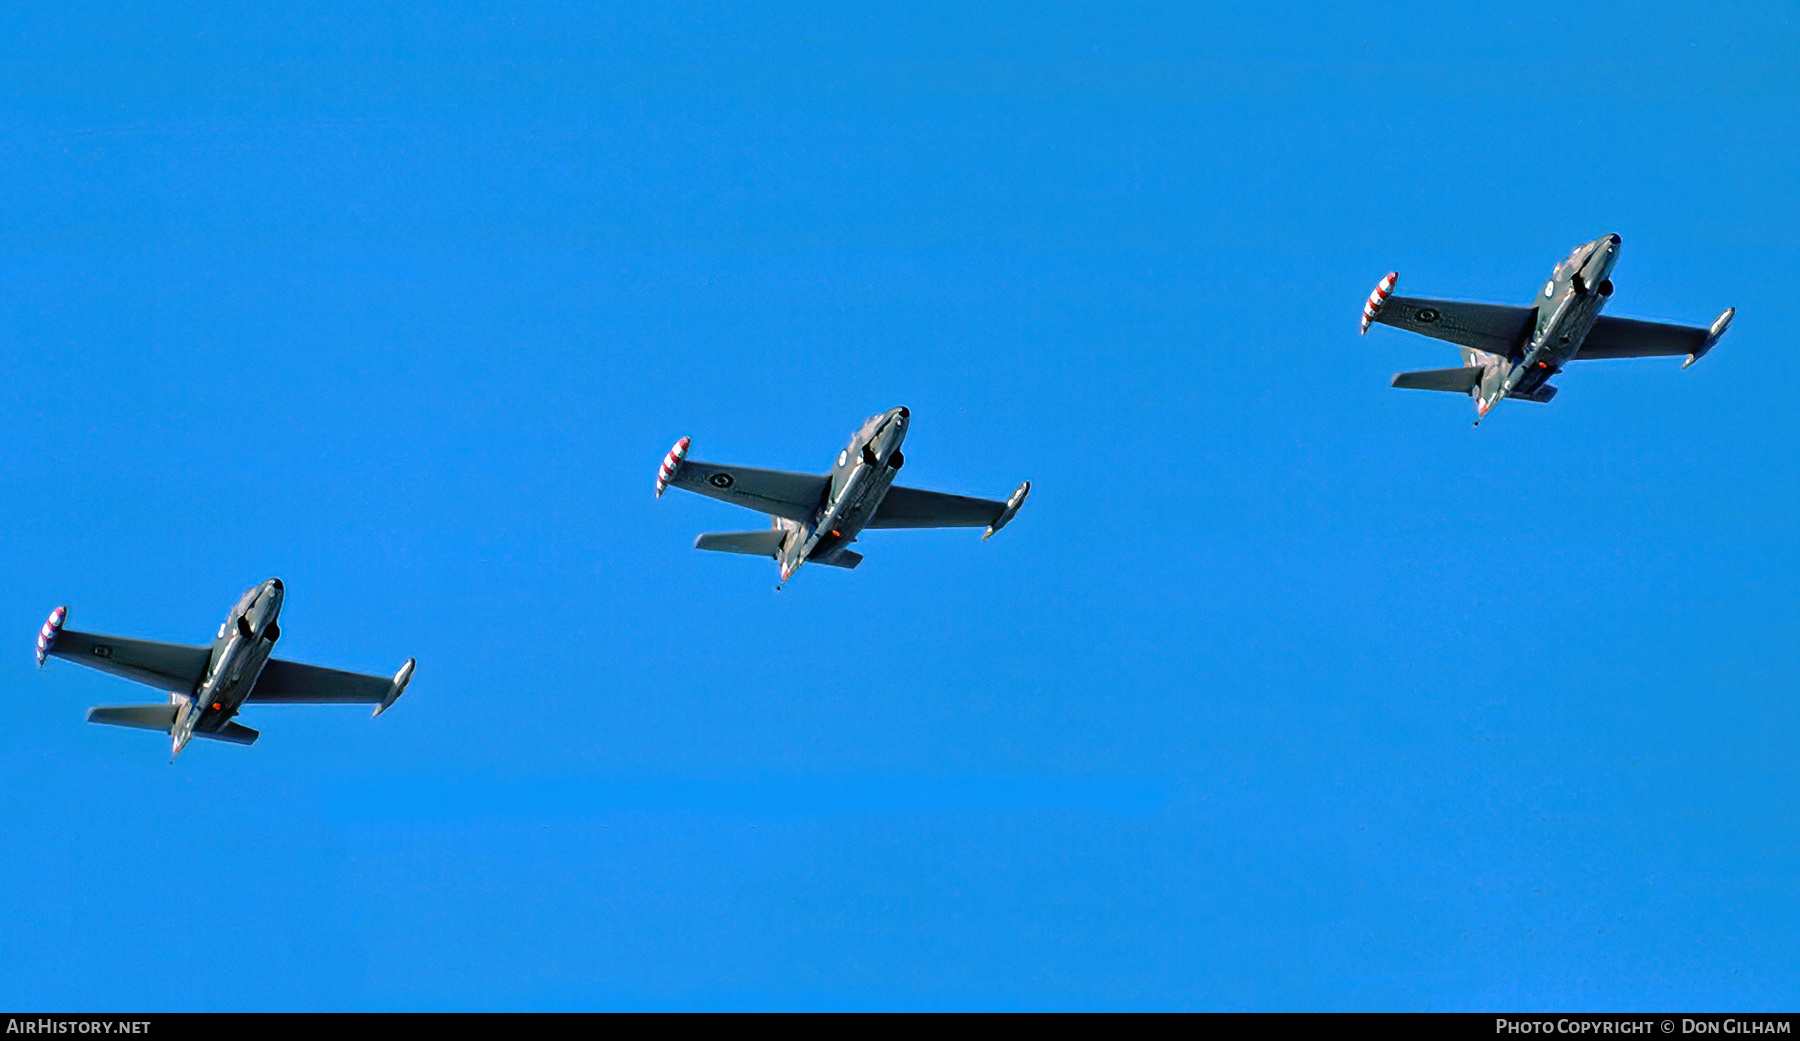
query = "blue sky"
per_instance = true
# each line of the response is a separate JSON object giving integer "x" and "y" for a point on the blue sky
{"x": 1285, "y": 690}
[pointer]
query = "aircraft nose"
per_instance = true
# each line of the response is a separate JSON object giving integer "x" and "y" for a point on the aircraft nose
{"x": 1614, "y": 239}
{"x": 903, "y": 412}
{"x": 275, "y": 584}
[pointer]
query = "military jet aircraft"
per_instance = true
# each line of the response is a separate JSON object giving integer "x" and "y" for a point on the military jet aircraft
{"x": 1514, "y": 351}
{"x": 816, "y": 518}
{"x": 208, "y": 685}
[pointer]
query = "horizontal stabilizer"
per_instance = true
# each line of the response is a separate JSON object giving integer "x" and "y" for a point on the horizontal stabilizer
{"x": 1541, "y": 395}
{"x": 765, "y": 543}
{"x": 162, "y": 718}
{"x": 236, "y": 733}
{"x": 844, "y": 558}
{"x": 143, "y": 717}
{"x": 1457, "y": 381}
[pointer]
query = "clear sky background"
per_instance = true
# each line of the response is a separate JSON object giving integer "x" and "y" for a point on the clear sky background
{"x": 1285, "y": 690}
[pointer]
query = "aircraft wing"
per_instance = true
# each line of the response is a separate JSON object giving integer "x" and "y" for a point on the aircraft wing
{"x": 286, "y": 682}
{"x": 1495, "y": 328}
{"x": 776, "y": 492}
{"x": 905, "y": 507}
{"x": 1630, "y": 338}
{"x": 171, "y": 667}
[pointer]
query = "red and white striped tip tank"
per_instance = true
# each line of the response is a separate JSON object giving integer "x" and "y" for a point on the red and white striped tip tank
{"x": 1378, "y": 300}
{"x": 670, "y": 464}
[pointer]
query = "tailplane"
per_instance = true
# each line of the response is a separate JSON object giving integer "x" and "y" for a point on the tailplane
{"x": 142, "y": 717}
{"x": 162, "y": 718}
{"x": 751, "y": 543}
{"x": 1456, "y": 381}
{"x": 236, "y": 733}
{"x": 844, "y": 558}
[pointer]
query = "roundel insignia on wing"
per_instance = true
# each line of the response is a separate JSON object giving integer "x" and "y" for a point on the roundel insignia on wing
{"x": 720, "y": 480}
{"x": 1425, "y": 315}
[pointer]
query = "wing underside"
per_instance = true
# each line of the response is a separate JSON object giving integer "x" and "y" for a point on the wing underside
{"x": 1630, "y": 338}
{"x": 290, "y": 683}
{"x": 779, "y": 493}
{"x": 905, "y": 507}
{"x": 166, "y": 666}
{"x": 1496, "y": 328}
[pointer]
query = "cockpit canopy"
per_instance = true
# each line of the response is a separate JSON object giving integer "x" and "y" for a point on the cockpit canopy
{"x": 1576, "y": 258}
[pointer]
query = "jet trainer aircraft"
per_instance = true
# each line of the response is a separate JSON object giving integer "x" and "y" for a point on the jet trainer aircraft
{"x": 209, "y": 684}
{"x": 815, "y": 517}
{"x": 1514, "y": 351}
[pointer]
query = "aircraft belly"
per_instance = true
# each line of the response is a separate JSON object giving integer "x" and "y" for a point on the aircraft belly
{"x": 1562, "y": 339}
{"x": 839, "y": 527}
{"x": 230, "y": 694}
{"x": 1579, "y": 335}
{"x": 867, "y": 504}
{"x": 1531, "y": 381}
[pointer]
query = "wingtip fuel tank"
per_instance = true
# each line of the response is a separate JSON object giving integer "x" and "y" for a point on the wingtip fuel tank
{"x": 401, "y": 679}
{"x": 671, "y": 462}
{"x": 1378, "y": 300}
{"x": 1013, "y": 502}
{"x": 1720, "y": 324}
{"x": 47, "y": 635}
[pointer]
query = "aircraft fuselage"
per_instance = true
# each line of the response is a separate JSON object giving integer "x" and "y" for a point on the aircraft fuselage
{"x": 239, "y": 653}
{"x": 860, "y": 479}
{"x": 1567, "y": 308}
